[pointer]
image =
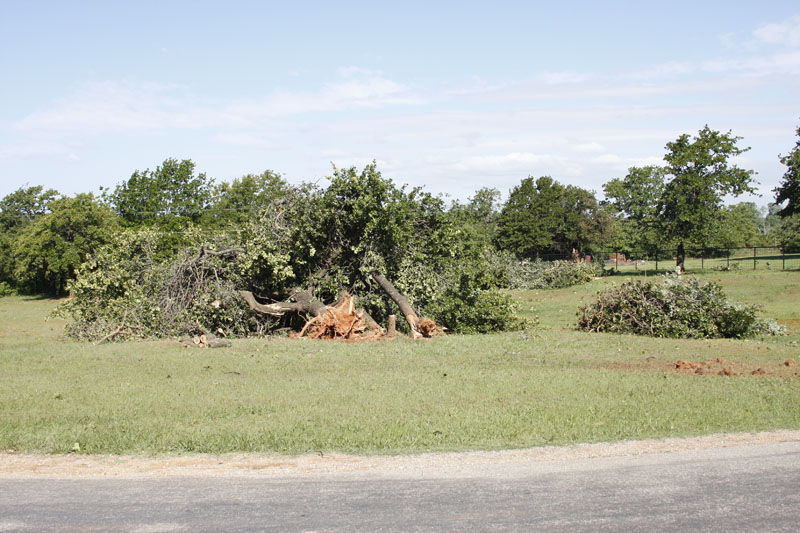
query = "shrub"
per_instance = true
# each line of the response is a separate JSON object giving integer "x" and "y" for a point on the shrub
{"x": 512, "y": 273}
{"x": 6, "y": 289}
{"x": 670, "y": 307}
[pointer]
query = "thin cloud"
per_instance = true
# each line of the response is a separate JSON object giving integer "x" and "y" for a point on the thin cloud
{"x": 785, "y": 33}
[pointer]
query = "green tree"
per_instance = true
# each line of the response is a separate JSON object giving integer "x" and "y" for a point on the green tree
{"x": 17, "y": 210}
{"x": 789, "y": 189}
{"x": 242, "y": 199}
{"x": 48, "y": 251}
{"x": 700, "y": 174}
{"x": 170, "y": 193}
{"x": 738, "y": 226}
{"x": 171, "y": 199}
{"x": 478, "y": 217}
{"x": 634, "y": 200}
{"x": 543, "y": 217}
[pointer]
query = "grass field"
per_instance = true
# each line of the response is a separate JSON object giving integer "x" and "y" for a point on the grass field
{"x": 550, "y": 385}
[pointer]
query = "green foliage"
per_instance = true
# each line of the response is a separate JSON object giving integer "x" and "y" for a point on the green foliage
{"x": 318, "y": 239}
{"x": 477, "y": 219}
{"x": 789, "y": 189}
{"x": 512, "y": 273}
{"x": 737, "y": 227}
{"x": 24, "y": 206}
{"x": 700, "y": 174}
{"x": 171, "y": 198}
{"x": 125, "y": 285}
{"x": 543, "y": 217}
{"x": 787, "y": 234}
{"x": 673, "y": 308}
{"x": 47, "y": 252}
{"x": 6, "y": 289}
{"x": 634, "y": 200}
{"x": 237, "y": 202}
{"x": 18, "y": 210}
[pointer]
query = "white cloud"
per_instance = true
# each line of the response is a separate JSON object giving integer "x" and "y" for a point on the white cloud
{"x": 607, "y": 159}
{"x": 98, "y": 108}
{"x": 785, "y": 33}
{"x": 589, "y": 148}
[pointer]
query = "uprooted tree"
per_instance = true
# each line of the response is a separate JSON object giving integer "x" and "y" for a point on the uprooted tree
{"x": 364, "y": 245}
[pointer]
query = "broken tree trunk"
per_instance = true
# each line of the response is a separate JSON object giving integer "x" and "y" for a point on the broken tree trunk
{"x": 338, "y": 321}
{"x": 303, "y": 302}
{"x": 420, "y": 327}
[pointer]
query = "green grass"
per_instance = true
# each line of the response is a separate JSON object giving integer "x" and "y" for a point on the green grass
{"x": 552, "y": 385}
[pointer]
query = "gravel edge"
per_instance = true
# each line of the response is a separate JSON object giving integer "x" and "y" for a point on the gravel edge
{"x": 426, "y": 465}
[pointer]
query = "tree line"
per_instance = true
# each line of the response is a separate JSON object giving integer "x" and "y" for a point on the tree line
{"x": 45, "y": 236}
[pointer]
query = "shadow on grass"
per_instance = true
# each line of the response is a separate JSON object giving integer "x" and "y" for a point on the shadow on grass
{"x": 39, "y": 297}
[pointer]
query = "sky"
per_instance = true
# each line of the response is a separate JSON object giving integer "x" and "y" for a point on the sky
{"x": 450, "y": 96}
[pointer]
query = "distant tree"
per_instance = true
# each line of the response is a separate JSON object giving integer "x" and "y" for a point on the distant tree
{"x": 789, "y": 189}
{"x": 787, "y": 234}
{"x": 543, "y": 217}
{"x": 17, "y": 210}
{"x": 48, "y": 251}
{"x": 24, "y": 205}
{"x": 634, "y": 200}
{"x": 738, "y": 226}
{"x": 169, "y": 195}
{"x": 240, "y": 200}
{"x": 478, "y": 217}
{"x": 700, "y": 174}
{"x": 171, "y": 199}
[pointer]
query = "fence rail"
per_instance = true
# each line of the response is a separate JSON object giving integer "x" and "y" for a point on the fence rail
{"x": 753, "y": 257}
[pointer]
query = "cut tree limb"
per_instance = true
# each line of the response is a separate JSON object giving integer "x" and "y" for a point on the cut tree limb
{"x": 303, "y": 302}
{"x": 420, "y": 327}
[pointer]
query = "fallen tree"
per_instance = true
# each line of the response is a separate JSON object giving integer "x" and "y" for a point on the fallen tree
{"x": 390, "y": 248}
{"x": 341, "y": 320}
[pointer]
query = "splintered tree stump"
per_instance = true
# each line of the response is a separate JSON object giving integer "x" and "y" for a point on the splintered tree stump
{"x": 338, "y": 321}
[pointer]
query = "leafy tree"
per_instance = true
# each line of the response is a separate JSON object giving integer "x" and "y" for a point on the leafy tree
{"x": 789, "y": 189}
{"x": 700, "y": 174}
{"x": 787, "y": 234}
{"x": 170, "y": 198}
{"x": 48, "y": 251}
{"x": 24, "y": 206}
{"x": 156, "y": 197}
{"x": 478, "y": 217}
{"x": 635, "y": 200}
{"x": 240, "y": 200}
{"x": 543, "y": 217}
{"x": 17, "y": 210}
{"x": 738, "y": 226}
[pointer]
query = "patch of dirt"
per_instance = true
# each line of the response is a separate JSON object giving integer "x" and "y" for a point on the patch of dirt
{"x": 722, "y": 367}
{"x": 718, "y": 366}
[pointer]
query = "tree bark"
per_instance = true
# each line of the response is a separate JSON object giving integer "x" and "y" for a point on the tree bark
{"x": 402, "y": 302}
{"x": 303, "y": 303}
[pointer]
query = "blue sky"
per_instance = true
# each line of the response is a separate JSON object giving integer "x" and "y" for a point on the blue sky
{"x": 452, "y": 96}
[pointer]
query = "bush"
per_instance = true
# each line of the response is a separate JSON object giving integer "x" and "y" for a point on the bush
{"x": 676, "y": 308}
{"x": 512, "y": 273}
{"x": 6, "y": 289}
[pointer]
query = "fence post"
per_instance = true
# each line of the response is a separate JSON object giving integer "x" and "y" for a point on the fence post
{"x": 754, "y": 257}
{"x": 656, "y": 258}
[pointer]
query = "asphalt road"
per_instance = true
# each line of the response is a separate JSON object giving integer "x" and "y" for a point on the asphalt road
{"x": 745, "y": 488}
